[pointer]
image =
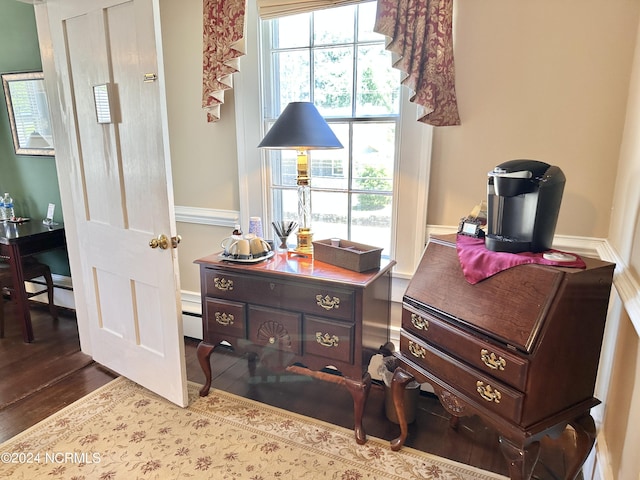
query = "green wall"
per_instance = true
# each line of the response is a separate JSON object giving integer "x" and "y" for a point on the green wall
{"x": 31, "y": 181}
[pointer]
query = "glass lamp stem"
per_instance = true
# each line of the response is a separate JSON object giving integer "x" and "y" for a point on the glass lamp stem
{"x": 304, "y": 205}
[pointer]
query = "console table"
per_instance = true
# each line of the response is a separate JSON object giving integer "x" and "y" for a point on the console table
{"x": 519, "y": 349}
{"x": 300, "y": 315}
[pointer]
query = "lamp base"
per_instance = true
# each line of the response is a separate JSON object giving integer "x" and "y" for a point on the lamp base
{"x": 305, "y": 245}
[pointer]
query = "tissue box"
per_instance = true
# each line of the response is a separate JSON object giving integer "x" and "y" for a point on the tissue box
{"x": 349, "y": 255}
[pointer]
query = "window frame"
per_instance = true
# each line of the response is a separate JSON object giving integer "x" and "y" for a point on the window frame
{"x": 411, "y": 175}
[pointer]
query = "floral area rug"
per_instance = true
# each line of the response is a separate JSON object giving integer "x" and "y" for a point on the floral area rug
{"x": 123, "y": 431}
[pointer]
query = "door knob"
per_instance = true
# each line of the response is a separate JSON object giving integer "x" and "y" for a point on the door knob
{"x": 162, "y": 241}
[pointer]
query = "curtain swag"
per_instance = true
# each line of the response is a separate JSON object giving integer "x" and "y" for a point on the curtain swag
{"x": 420, "y": 34}
{"x": 223, "y": 45}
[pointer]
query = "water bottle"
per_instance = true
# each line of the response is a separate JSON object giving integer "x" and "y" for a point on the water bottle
{"x": 3, "y": 216}
{"x": 8, "y": 207}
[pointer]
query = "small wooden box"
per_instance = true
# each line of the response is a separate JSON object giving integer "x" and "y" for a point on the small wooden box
{"x": 349, "y": 255}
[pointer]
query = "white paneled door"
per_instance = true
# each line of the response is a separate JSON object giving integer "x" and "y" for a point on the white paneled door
{"x": 106, "y": 89}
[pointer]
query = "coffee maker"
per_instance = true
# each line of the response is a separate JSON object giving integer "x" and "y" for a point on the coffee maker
{"x": 523, "y": 202}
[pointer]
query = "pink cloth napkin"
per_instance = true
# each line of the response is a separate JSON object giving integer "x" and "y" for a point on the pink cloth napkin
{"x": 478, "y": 262}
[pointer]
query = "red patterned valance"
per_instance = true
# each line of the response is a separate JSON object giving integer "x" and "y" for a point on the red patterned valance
{"x": 223, "y": 45}
{"x": 420, "y": 33}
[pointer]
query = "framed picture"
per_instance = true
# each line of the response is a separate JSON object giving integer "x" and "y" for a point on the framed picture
{"x": 28, "y": 113}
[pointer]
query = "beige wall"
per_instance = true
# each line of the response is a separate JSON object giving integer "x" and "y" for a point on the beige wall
{"x": 622, "y": 415}
{"x": 545, "y": 80}
{"x": 625, "y": 221}
{"x": 203, "y": 155}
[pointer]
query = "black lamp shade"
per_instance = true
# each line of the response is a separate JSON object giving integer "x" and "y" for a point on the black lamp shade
{"x": 300, "y": 127}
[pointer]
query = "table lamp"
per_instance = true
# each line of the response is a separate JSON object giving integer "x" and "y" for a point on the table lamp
{"x": 300, "y": 127}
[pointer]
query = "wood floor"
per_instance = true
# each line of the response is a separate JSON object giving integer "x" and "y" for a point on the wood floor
{"x": 38, "y": 379}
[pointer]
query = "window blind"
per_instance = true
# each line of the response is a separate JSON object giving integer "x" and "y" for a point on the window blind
{"x": 279, "y": 8}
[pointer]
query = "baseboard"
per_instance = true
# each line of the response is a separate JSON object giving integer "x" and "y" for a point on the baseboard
{"x": 597, "y": 466}
{"x": 191, "y": 314}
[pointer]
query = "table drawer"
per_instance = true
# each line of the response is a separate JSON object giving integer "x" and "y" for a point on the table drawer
{"x": 314, "y": 298}
{"x": 320, "y": 300}
{"x": 277, "y": 329}
{"x": 224, "y": 318}
{"x": 487, "y": 357}
{"x": 488, "y": 392}
{"x": 328, "y": 339}
{"x": 217, "y": 283}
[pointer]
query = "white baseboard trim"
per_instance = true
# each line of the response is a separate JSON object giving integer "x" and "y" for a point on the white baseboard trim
{"x": 191, "y": 314}
{"x": 600, "y": 468}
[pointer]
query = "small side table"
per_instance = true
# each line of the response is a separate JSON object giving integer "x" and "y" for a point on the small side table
{"x": 306, "y": 314}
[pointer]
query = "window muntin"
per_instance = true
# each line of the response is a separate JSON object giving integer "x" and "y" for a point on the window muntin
{"x": 333, "y": 58}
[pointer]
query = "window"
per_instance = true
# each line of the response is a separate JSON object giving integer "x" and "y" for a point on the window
{"x": 410, "y": 177}
{"x": 334, "y": 59}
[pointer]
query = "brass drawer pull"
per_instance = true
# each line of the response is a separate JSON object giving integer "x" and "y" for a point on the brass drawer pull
{"x": 327, "y": 302}
{"x": 416, "y": 350}
{"x": 488, "y": 392}
{"x": 491, "y": 360}
{"x": 419, "y": 322}
{"x": 327, "y": 340}
{"x": 223, "y": 284}
{"x": 224, "y": 319}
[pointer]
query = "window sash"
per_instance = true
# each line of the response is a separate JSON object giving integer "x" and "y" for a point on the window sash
{"x": 321, "y": 185}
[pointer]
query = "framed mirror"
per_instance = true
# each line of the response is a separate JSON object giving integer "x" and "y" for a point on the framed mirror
{"x": 28, "y": 113}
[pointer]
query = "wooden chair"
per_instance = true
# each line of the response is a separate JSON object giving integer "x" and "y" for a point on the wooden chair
{"x": 32, "y": 269}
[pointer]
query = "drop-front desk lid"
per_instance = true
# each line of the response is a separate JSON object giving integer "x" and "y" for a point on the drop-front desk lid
{"x": 509, "y": 307}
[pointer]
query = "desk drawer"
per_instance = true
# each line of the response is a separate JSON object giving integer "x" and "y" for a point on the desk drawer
{"x": 486, "y": 391}
{"x": 487, "y": 357}
{"x": 314, "y": 298}
{"x": 276, "y": 329}
{"x": 224, "y": 318}
{"x": 328, "y": 339}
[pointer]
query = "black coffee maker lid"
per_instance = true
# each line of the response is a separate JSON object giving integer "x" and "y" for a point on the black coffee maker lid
{"x": 511, "y": 168}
